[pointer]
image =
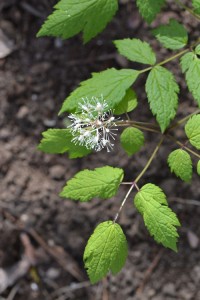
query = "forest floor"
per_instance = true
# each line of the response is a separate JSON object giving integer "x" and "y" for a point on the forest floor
{"x": 36, "y": 225}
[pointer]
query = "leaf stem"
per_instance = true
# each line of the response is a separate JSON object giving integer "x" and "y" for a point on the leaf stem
{"x": 171, "y": 57}
{"x": 123, "y": 202}
{"x": 134, "y": 184}
{"x": 184, "y": 119}
{"x": 136, "y": 125}
{"x": 150, "y": 160}
{"x": 182, "y": 145}
{"x": 188, "y": 9}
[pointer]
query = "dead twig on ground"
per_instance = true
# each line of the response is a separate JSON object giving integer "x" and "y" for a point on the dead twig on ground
{"x": 149, "y": 271}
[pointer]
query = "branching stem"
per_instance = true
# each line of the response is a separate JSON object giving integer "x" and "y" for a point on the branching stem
{"x": 171, "y": 58}
{"x": 134, "y": 184}
{"x": 188, "y": 9}
{"x": 124, "y": 201}
{"x": 150, "y": 160}
{"x": 184, "y": 119}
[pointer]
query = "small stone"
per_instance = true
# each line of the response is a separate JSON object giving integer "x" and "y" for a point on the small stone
{"x": 53, "y": 273}
{"x": 169, "y": 289}
{"x": 57, "y": 172}
{"x": 192, "y": 239}
{"x": 22, "y": 112}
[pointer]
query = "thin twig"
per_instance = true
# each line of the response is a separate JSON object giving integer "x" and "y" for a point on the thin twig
{"x": 149, "y": 271}
{"x": 185, "y": 201}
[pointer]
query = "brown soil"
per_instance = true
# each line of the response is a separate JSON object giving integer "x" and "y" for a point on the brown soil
{"x": 34, "y": 80}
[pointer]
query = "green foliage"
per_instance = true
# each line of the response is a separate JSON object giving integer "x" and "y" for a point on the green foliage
{"x": 162, "y": 90}
{"x": 112, "y": 83}
{"x": 106, "y": 251}
{"x": 198, "y": 168}
{"x": 196, "y": 5}
{"x": 71, "y": 17}
{"x": 186, "y": 60}
{"x": 136, "y": 50}
{"x": 132, "y": 139}
{"x": 159, "y": 219}
{"x": 150, "y": 8}
{"x": 101, "y": 182}
{"x": 180, "y": 163}
{"x": 128, "y": 103}
{"x": 192, "y": 130}
{"x": 172, "y": 36}
{"x": 191, "y": 66}
{"x": 60, "y": 141}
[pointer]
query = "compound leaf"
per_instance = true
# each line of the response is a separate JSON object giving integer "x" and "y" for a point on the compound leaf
{"x": 128, "y": 103}
{"x": 149, "y": 8}
{"x": 172, "y": 36}
{"x": 132, "y": 139}
{"x": 87, "y": 184}
{"x": 159, "y": 219}
{"x": 162, "y": 91}
{"x": 198, "y": 168}
{"x": 196, "y": 5}
{"x": 105, "y": 251}
{"x": 136, "y": 50}
{"x": 112, "y": 84}
{"x": 60, "y": 141}
{"x": 180, "y": 163}
{"x": 192, "y": 130}
{"x": 71, "y": 17}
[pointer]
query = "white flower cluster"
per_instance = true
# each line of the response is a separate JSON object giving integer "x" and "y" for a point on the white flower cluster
{"x": 93, "y": 125}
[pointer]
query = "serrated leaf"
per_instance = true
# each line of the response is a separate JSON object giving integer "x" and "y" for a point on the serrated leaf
{"x": 60, "y": 141}
{"x": 193, "y": 78}
{"x": 198, "y": 168}
{"x": 180, "y": 163}
{"x": 149, "y": 8}
{"x": 106, "y": 251}
{"x": 192, "y": 130}
{"x": 112, "y": 84}
{"x": 128, "y": 103}
{"x": 132, "y": 140}
{"x": 136, "y": 50}
{"x": 172, "y": 36}
{"x": 197, "y": 50}
{"x": 159, "y": 219}
{"x": 88, "y": 184}
{"x": 162, "y": 90}
{"x": 196, "y": 5}
{"x": 186, "y": 60}
{"x": 71, "y": 17}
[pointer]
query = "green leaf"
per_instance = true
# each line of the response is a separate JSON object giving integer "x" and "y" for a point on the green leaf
{"x": 162, "y": 91}
{"x": 60, "y": 141}
{"x": 193, "y": 78}
{"x": 192, "y": 130}
{"x": 149, "y": 8}
{"x": 132, "y": 139}
{"x": 136, "y": 50}
{"x": 101, "y": 182}
{"x": 159, "y": 219}
{"x": 180, "y": 163}
{"x": 106, "y": 251}
{"x": 172, "y": 36}
{"x": 197, "y": 50}
{"x": 112, "y": 84}
{"x": 128, "y": 103}
{"x": 196, "y": 5}
{"x": 186, "y": 60}
{"x": 71, "y": 17}
{"x": 198, "y": 168}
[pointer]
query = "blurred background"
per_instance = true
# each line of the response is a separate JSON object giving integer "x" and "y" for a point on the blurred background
{"x": 42, "y": 237}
